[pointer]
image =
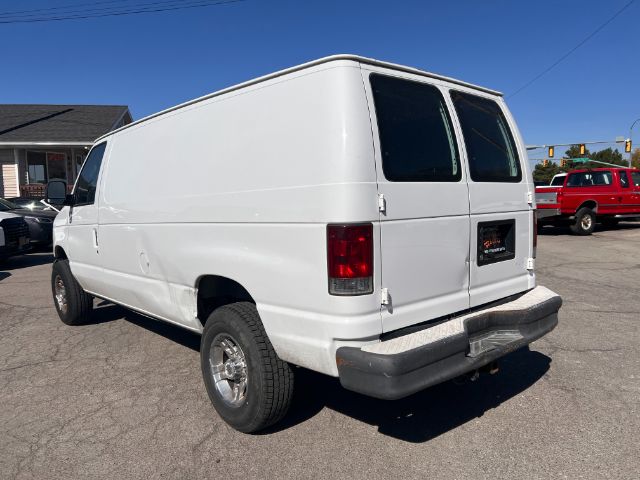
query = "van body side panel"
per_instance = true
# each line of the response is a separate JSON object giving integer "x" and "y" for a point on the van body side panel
{"x": 243, "y": 186}
{"x": 424, "y": 231}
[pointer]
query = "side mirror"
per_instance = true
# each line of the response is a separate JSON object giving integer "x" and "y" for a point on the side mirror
{"x": 56, "y": 192}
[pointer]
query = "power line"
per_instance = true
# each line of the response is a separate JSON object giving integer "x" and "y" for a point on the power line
{"x": 136, "y": 10}
{"x": 591, "y": 35}
{"x": 59, "y": 7}
{"x": 64, "y": 11}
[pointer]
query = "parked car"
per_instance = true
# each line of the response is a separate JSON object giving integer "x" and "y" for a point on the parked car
{"x": 14, "y": 234}
{"x": 40, "y": 222}
{"x": 556, "y": 181}
{"x": 362, "y": 219}
{"x": 29, "y": 203}
{"x": 585, "y": 197}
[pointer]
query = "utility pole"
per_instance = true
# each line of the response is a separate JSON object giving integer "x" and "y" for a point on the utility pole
{"x": 630, "y": 132}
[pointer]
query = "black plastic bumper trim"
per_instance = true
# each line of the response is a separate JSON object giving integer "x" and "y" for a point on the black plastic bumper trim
{"x": 391, "y": 377}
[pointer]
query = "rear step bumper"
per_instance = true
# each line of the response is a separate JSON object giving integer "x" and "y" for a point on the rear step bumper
{"x": 404, "y": 365}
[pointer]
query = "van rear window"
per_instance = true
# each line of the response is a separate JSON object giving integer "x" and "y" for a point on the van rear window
{"x": 416, "y": 136}
{"x": 491, "y": 150}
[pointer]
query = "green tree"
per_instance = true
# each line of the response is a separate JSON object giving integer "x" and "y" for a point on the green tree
{"x": 545, "y": 174}
{"x": 635, "y": 158}
{"x": 608, "y": 155}
{"x": 574, "y": 152}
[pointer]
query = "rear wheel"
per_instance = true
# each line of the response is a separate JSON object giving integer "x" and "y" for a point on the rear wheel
{"x": 72, "y": 303}
{"x": 585, "y": 222}
{"x": 248, "y": 384}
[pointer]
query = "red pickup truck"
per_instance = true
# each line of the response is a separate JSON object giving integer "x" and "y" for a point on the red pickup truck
{"x": 605, "y": 195}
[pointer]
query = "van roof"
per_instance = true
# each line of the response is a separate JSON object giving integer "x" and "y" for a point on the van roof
{"x": 331, "y": 58}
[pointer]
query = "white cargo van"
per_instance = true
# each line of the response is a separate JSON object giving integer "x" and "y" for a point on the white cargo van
{"x": 362, "y": 219}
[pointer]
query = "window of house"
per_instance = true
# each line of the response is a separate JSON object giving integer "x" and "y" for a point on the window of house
{"x": 37, "y": 167}
{"x": 416, "y": 135}
{"x": 85, "y": 190}
{"x": 56, "y": 166}
{"x": 491, "y": 149}
{"x": 45, "y": 166}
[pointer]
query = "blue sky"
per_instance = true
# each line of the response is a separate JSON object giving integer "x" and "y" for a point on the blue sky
{"x": 153, "y": 61}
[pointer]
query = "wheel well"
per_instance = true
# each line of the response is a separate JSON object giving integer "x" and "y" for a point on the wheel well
{"x": 215, "y": 291}
{"x": 60, "y": 254}
{"x": 589, "y": 204}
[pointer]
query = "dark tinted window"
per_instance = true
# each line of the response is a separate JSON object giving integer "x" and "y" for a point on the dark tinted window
{"x": 589, "y": 179}
{"x": 416, "y": 137}
{"x": 492, "y": 152}
{"x": 558, "y": 181}
{"x": 624, "y": 179}
{"x": 635, "y": 178}
{"x": 85, "y": 191}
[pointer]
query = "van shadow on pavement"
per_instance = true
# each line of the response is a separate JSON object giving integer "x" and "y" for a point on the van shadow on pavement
{"x": 108, "y": 312}
{"x": 418, "y": 418}
{"x": 424, "y": 415}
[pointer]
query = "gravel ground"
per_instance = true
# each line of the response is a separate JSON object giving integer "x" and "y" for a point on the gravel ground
{"x": 122, "y": 398}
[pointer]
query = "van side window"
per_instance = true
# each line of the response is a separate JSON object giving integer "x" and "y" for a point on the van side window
{"x": 416, "y": 135}
{"x": 624, "y": 179}
{"x": 85, "y": 191}
{"x": 635, "y": 178}
{"x": 492, "y": 152}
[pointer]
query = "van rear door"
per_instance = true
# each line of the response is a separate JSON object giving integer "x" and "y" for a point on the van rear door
{"x": 499, "y": 196}
{"x": 424, "y": 199}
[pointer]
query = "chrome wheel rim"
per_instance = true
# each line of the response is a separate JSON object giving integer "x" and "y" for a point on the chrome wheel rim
{"x": 60, "y": 294}
{"x": 586, "y": 222}
{"x": 228, "y": 369}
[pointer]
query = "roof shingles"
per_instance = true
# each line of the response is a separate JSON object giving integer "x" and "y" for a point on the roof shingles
{"x": 58, "y": 123}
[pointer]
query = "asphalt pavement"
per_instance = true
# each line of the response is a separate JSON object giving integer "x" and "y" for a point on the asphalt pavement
{"x": 122, "y": 397}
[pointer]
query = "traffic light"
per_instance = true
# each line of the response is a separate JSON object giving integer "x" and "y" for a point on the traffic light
{"x": 545, "y": 163}
{"x": 582, "y": 149}
{"x": 563, "y": 162}
{"x": 627, "y": 145}
{"x": 551, "y": 152}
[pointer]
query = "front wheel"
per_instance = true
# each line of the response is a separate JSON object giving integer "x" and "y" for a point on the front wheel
{"x": 585, "y": 222}
{"x": 248, "y": 384}
{"x": 73, "y": 304}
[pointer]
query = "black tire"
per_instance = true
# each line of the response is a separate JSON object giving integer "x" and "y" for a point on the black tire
{"x": 79, "y": 304}
{"x": 585, "y": 222}
{"x": 269, "y": 380}
{"x": 610, "y": 222}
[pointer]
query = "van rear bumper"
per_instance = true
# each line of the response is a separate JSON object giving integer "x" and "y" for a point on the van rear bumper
{"x": 404, "y": 365}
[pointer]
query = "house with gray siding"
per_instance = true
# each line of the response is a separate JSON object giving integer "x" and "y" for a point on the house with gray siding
{"x": 39, "y": 143}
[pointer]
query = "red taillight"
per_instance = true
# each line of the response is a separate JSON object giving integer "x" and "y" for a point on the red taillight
{"x": 350, "y": 259}
{"x": 535, "y": 233}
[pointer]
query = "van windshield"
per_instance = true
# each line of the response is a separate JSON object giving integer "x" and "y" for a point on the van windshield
{"x": 492, "y": 152}
{"x": 416, "y": 135}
